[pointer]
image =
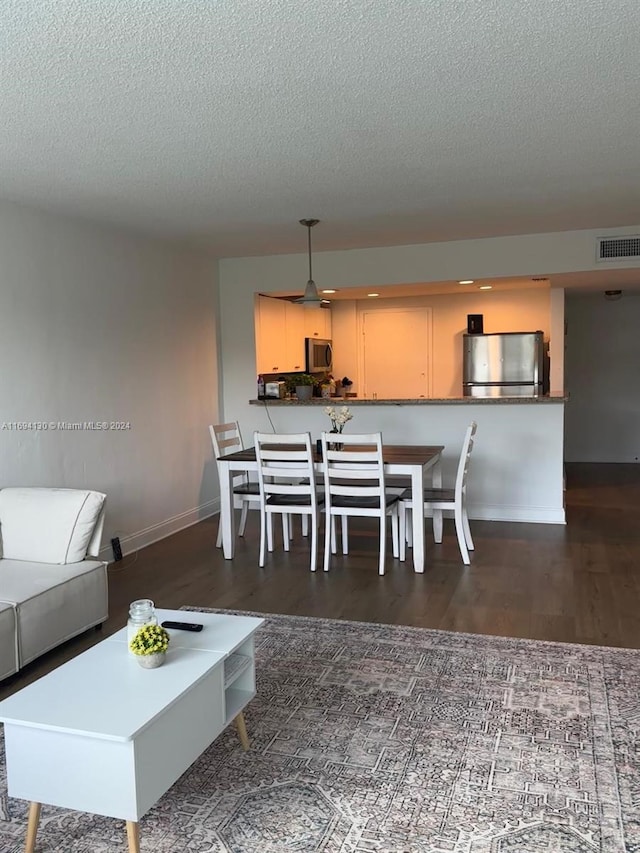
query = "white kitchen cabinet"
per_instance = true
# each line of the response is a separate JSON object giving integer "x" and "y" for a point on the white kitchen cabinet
{"x": 317, "y": 323}
{"x": 294, "y": 316}
{"x": 280, "y": 334}
{"x": 270, "y": 343}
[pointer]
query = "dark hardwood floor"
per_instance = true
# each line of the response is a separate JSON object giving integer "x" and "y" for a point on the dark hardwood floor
{"x": 575, "y": 583}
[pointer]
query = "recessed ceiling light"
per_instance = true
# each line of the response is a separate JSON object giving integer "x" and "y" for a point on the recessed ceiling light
{"x": 466, "y": 281}
{"x": 373, "y": 294}
{"x": 485, "y": 287}
{"x": 328, "y": 291}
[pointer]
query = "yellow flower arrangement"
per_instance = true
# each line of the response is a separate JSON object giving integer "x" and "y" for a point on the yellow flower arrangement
{"x": 150, "y": 640}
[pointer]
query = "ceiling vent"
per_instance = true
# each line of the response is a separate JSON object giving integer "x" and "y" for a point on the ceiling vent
{"x": 618, "y": 248}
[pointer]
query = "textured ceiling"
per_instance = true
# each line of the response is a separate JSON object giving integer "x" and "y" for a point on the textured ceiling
{"x": 226, "y": 121}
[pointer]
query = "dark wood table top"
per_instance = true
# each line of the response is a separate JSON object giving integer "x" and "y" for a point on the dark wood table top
{"x": 398, "y": 454}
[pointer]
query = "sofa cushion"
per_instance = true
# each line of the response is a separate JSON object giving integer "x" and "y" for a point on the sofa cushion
{"x": 52, "y": 602}
{"x": 48, "y": 525}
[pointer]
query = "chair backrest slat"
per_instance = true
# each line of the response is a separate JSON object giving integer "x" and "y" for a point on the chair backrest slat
{"x": 292, "y": 462}
{"x": 220, "y": 440}
{"x": 463, "y": 463}
{"x": 224, "y": 444}
{"x": 356, "y": 470}
{"x": 229, "y": 442}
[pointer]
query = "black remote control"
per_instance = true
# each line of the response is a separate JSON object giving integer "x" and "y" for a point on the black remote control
{"x": 183, "y": 626}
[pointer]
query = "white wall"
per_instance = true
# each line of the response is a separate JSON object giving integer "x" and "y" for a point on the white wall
{"x": 556, "y": 336}
{"x": 98, "y": 325}
{"x": 503, "y": 311}
{"x": 603, "y": 378}
{"x": 524, "y": 255}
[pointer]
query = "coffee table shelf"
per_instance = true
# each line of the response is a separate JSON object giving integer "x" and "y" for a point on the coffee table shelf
{"x": 235, "y": 701}
{"x": 239, "y": 679}
{"x": 234, "y": 666}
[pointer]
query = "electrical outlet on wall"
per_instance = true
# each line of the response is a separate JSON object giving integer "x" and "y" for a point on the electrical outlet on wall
{"x": 117, "y": 550}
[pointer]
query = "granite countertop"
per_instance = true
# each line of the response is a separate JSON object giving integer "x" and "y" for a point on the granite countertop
{"x": 421, "y": 401}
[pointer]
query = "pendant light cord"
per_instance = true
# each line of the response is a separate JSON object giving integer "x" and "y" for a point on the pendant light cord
{"x": 310, "y": 296}
{"x": 309, "y": 242}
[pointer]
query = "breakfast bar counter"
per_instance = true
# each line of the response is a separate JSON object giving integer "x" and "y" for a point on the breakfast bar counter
{"x": 420, "y": 401}
{"x": 516, "y": 471}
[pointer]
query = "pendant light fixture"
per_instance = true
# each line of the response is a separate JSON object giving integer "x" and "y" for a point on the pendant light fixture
{"x": 311, "y": 298}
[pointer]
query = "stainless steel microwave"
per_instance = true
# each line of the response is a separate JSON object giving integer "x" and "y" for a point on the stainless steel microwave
{"x": 319, "y": 355}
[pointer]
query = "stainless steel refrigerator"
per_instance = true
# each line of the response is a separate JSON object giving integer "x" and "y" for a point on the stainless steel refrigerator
{"x": 506, "y": 364}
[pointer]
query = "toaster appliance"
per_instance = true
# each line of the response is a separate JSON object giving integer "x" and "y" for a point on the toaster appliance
{"x": 275, "y": 390}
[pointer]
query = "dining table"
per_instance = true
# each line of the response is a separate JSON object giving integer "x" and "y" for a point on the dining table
{"x": 411, "y": 461}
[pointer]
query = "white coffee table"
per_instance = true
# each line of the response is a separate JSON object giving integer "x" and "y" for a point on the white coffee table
{"x": 101, "y": 734}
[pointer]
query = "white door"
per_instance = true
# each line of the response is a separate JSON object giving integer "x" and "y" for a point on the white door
{"x": 397, "y": 353}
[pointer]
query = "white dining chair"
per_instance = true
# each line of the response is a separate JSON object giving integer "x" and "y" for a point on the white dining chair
{"x": 354, "y": 485}
{"x": 287, "y": 487}
{"x": 438, "y": 500}
{"x": 226, "y": 439}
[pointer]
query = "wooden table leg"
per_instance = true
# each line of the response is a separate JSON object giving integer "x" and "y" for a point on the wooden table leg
{"x": 32, "y": 827}
{"x": 242, "y": 731}
{"x": 133, "y": 837}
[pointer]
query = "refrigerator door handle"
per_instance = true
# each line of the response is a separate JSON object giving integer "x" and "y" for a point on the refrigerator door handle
{"x": 495, "y": 384}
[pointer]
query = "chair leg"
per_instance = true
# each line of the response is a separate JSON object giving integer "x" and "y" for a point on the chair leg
{"x": 334, "y": 543}
{"x": 467, "y": 529}
{"x": 460, "y": 534}
{"x": 269, "y": 531}
{"x": 437, "y": 525}
{"x": 344, "y": 533}
{"x": 409, "y": 536}
{"x": 329, "y": 539}
{"x": 314, "y": 540}
{"x": 286, "y": 520}
{"x": 394, "y": 533}
{"x": 243, "y": 518}
{"x": 305, "y": 525}
{"x": 263, "y": 527}
{"x": 383, "y": 543}
{"x": 219, "y": 539}
{"x": 405, "y": 514}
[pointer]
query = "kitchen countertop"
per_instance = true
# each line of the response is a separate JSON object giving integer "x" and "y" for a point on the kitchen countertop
{"x": 421, "y": 401}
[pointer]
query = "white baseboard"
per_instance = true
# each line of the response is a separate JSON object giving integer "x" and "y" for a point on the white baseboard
{"x": 501, "y": 512}
{"x": 525, "y": 514}
{"x": 156, "y": 532}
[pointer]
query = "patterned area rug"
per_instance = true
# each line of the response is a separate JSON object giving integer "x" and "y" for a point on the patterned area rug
{"x": 381, "y": 738}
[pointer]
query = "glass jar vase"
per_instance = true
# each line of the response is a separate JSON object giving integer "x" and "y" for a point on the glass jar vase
{"x": 141, "y": 612}
{"x": 336, "y": 445}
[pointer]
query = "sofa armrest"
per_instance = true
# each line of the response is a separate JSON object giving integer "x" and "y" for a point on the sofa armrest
{"x": 93, "y": 548}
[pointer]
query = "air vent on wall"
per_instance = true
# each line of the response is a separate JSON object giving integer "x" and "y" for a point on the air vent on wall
{"x": 618, "y": 248}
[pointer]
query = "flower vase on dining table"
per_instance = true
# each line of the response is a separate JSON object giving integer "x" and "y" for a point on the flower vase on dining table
{"x": 336, "y": 445}
{"x": 339, "y": 418}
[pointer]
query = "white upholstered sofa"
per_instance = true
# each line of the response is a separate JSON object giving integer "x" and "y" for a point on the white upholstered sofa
{"x": 52, "y": 584}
